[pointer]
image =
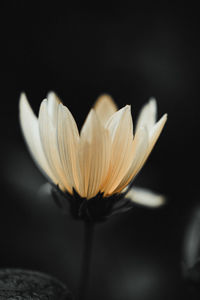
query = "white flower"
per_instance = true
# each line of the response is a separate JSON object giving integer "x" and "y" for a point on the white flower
{"x": 104, "y": 158}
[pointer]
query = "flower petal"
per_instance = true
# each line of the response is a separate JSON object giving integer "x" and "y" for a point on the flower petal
{"x": 146, "y": 141}
{"x": 68, "y": 141}
{"x": 147, "y": 116}
{"x": 30, "y": 129}
{"x": 52, "y": 105}
{"x": 155, "y": 132}
{"x": 121, "y": 131}
{"x": 140, "y": 146}
{"x": 94, "y": 154}
{"x": 145, "y": 197}
{"x": 105, "y": 107}
{"x": 48, "y": 135}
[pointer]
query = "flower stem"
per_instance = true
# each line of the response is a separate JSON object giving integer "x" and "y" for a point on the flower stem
{"x": 86, "y": 259}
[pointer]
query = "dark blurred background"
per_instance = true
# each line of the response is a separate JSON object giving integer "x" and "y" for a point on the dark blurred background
{"x": 80, "y": 51}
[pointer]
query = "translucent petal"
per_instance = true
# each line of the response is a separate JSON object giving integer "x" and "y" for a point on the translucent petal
{"x": 68, "y": 143}
{"x": 48, "y": 135}
{"x": 30, "y": 129}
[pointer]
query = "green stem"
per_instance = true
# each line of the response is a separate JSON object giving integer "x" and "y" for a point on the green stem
{"x": 86, "y": 260}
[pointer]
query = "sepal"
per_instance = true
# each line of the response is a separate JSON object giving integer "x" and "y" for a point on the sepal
{"x": 96, "y": 209}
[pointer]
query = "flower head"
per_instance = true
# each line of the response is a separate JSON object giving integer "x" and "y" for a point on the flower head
{"x": 93, "y": 169}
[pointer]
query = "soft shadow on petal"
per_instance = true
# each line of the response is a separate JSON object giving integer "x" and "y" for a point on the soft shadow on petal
{"x": 145, "y": 197}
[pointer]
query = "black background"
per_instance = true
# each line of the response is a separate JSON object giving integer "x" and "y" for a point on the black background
{"x": 80, "y": 51}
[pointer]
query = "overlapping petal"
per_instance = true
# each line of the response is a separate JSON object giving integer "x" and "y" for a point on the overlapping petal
{"x": 120, "y": 127}
{"x": 140, "y": 147}
{"x": 94, "y": 154}
{"x": 105, "y": 157}
{"x": 147, "y": 118}
{"x": 147, "y": 115}
{"x": 48, "y": 136}
{"x": 68, "y": 143}
{"x": 147, "y": 133}
{"x": 30, "y": 129}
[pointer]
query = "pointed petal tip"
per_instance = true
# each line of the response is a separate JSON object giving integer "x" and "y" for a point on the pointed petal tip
{"x": 105, "y": 107}
{"x": 44, "y": 101}
{"x": 104, "y": 96}
{"x": 22, "y": 98}
{"x": 91, "y": 114}
{"x": 22, "y": 94}
{"x": 24, "y": 105}
{"x": 163, "y": 119}
{"x": 107, "y": 98}
{"x": 43, "y": 106}
{"x": 53, "y": 95}
{"x": 153, "y": 104}
{"x": 152, "y": 100}
{"x": 165, "y": 116}
{"x": 89, "y": 122}
{"x": 161, "y": 122}
{"x": 128, "y": 107}
{"x": 125, "y": 109}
